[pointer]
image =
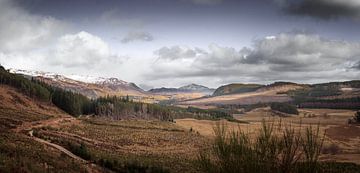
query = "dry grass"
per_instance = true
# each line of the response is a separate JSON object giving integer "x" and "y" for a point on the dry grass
{"x": 263, "y": 95}
{"x": 333, "y": 123}
{"x": 20, "y": 153}
{"x": 162, "y": 144}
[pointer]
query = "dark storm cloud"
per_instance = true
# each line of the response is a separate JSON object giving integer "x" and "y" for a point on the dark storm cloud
{"x": 206, "y": 2}
{"x": 323, "y": 9}
{"x": 356, "y": 65}
{"x": 137, "y": 36}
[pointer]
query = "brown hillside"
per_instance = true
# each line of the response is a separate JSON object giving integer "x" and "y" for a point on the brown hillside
{"x": 265, "y": 94}
{"x": 18, "y": 109}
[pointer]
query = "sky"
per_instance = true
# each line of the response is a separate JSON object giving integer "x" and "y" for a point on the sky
{"x": 171, "y": 43}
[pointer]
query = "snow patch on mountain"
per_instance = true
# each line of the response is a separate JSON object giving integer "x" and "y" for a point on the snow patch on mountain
{"x": 85, "y": 79}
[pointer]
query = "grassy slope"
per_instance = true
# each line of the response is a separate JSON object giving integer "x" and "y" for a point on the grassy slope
{"x": 153, "y": 143}
{"x": 19, "y": 153}
{"x": 236, "y": 88}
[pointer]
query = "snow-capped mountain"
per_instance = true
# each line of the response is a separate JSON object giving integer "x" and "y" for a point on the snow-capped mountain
{"x": 192, "y": 88}
{"x": 94, "y": 87}
{"x": 86, "y": 79}
{"x": 87, "y": 85}
{"x": 196, "y": 87}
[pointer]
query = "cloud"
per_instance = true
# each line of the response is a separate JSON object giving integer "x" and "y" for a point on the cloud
{"x": 175, "y": 52}
{"x": 35, "y": 42}
{"x": 146, "y": 87}
{"x": 322, "y": 9}
{"x": 137, "y": 36}
{"x": 356, "y": 65}
{"x": 80, "y": 50}
{"x": 23, "y": 32}
{"x": 296, "y": 57}
{"x": 206, "y": 2}
{"x": 24, "y": 37}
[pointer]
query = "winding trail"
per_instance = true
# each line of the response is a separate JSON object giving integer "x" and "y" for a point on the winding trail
{"x": 29, "y": 126}
{"x": 60, "y": 148}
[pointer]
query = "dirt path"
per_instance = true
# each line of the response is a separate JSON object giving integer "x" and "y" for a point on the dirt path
{"x": 90, "y": 167}
{"x": 54, "y": 122}
{"x": 60, "y": 148}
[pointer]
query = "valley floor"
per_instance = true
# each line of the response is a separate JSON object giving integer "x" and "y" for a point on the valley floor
{"x": 341, "y": 141}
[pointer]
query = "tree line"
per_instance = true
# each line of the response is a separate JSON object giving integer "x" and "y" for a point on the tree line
{"x": 122, "y": 107}
{"x": 285, "y": 108}
{"x": 341, "y": 103}
{"x": 26, "y": 86}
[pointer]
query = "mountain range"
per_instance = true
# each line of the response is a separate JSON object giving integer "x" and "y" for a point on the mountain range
{"x": 184, "y": 89}
{"x": 89, "y": 86}
{"x": 194, "y": 94}
{"x": 94, "y": 87}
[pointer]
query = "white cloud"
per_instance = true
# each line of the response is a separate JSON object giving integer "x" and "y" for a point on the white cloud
{"x": 22, "y": 32}
{"x": 35, "y": 42}
{"x": 296, "y": 57}
{"x": 80, "y": 50}
{"x": 137, "y": 36}
{"x": 175, "y": 52}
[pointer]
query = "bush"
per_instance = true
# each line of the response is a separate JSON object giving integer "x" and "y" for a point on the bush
{"x": 331, "y": 149}
{"x": 129, "y": 167}
{"x": 234, "y": 152}
{"x": 285, "y": 108}
{"x": 357, "y": 117}
{"x": 80, "y": 150}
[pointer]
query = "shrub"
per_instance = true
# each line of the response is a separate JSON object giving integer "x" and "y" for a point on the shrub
{"x": 311, "y": 146}
{"x": 357, "y": 117}
{"x": 285, "y": 108}
{"x": 331, "y": 149}
{"x": 129, "y": 167}
{"x": 234, "y": 152}
{"x": 80, "y": 150}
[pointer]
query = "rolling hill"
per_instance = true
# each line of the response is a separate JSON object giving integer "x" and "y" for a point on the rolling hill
{"x": 245, "y": 94}
{"x": 191, "y": 91}
{"x": 192, "y": 88}
{"x": 236, "y": 88}
{"x": 265, "y": 94}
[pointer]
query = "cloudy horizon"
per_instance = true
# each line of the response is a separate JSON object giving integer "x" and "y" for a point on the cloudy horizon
{"x": 174, "y": 43}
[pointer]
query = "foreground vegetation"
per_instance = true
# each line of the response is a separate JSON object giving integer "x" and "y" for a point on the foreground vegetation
{"x": 111, "y": 163}
{"x": 268, "y": 152}
{"x": 284, "y": 108}
{"x": 144, "y": 146}
{"x": 20, "y": 153}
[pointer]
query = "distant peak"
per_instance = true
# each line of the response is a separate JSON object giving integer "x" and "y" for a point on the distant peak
{"x": 113, "y": 81}
{"x": 193, "y": 87}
